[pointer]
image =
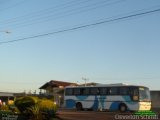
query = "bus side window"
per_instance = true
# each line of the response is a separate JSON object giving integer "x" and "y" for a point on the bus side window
{"x": 134, "y": 93}
{"x": 76, "y": 91}
{"x": 94, "y": 91}
{"x": 113, "y": 91}
{"x": 103, "y": 91}
{"x": 124, "y": 91}
{"x": 69, "y": 91}
{"x": 85, "y": 91}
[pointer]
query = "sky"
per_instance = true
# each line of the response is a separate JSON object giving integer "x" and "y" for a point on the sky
{"x": 120, "y": 51}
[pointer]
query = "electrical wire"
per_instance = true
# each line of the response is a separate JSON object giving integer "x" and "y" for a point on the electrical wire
{"x": 84, "y": 26}
{"x": 14, "y": 5}
{"x": 43, "y": 12}
{"x": 66, "y": 13}
{"x": 56, "y": 14}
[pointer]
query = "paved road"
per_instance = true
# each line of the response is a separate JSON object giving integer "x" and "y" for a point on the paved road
{"x": 85, "y": 115}
{"x": 91, "y": 115}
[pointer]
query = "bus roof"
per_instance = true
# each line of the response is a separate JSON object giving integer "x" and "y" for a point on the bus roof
{"x": 107, "y": 85}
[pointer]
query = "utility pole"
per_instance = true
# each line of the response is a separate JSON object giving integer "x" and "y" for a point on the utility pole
{"x": 85, "y": 80}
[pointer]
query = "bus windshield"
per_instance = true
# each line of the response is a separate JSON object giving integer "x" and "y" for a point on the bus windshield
{"x": 144, "y": 94}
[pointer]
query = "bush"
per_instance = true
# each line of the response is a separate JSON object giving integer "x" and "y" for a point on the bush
{"x": 35, "y": 111}
{"x": 48, "y": 108}
{"x": 4, "y": 108}
{"x": 36, "y": 108}
{"x": 46, "y": 104}
{"x": 24, "y": 103}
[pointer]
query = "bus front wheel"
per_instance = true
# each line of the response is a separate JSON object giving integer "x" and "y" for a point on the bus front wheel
{"x": 79, "y": 106}
{"x": 122, "y": 108}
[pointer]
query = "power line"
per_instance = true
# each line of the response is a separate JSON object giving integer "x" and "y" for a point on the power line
{"x": 84, "y": 26}
{"x": 14, "y": 5}
{"x": 43, "y": 12}
{"x": 56, "y": 15}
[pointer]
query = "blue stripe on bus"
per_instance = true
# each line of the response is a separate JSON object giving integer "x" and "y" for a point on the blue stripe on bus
{"x": 81, "y": 97}
{"x": 70, "y": 103}
{"x": 95, "y": 105}
{"x": 114, "y": 106}
{"x": 102, "y": 101}
{"x": 99, "y": 102}
{"x": 126, "y": 98}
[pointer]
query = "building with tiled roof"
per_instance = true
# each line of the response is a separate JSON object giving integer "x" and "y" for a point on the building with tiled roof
{"x": 56, "y": 83}
{"x": 55, "y": 88}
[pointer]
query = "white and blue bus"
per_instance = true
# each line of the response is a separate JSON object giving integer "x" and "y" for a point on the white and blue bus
{"x": 108, "y": 97}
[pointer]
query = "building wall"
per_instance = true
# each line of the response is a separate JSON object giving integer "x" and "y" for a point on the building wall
{"x": 155, "y": 97}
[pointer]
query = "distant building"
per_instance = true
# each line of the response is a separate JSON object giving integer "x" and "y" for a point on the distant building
{"x": 5, "y": 97}
{"x": 155, "y": 97}
{"x": 55, "y": 88}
